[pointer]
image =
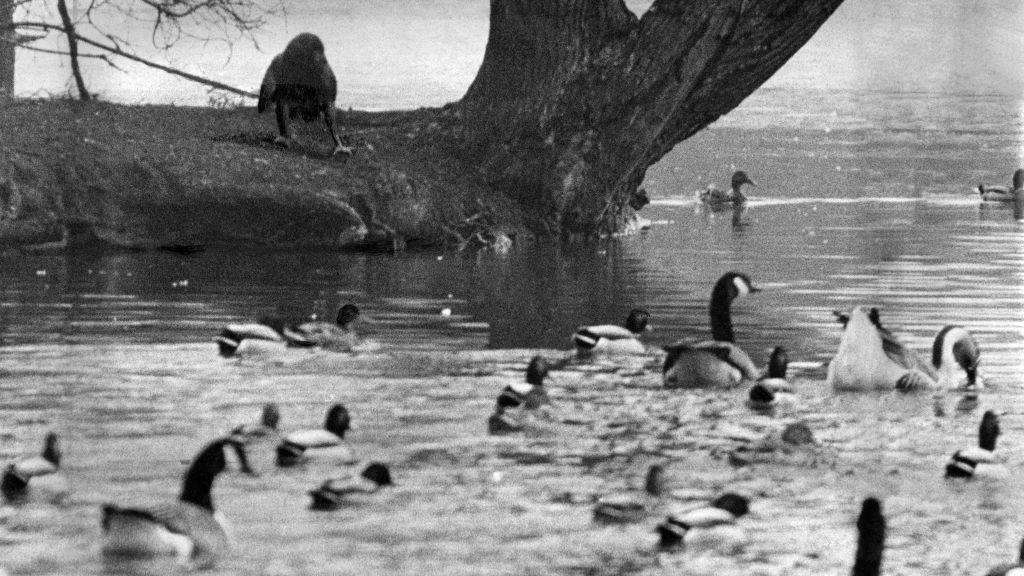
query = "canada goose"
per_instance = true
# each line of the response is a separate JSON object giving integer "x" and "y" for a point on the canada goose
{"x": 679, "y": 527}
{"x": 612, "y": 339}
{"x": 40, "y": 473}
{"x": 268, "y": 331}
{"x": 965, "y": 462}
{"x": 188, "y": 528}
{"x": 1015, "y": 569}
{"x": 291, "y": 450}
{"x": 332, "y": 493}
{"x": 629, "y": 507}
{"x": 300, "y": 82}
{"x": 713, "y": 363}
{"x": 870, "y": 539}
{"x": 870, "y": 357}
{"x": 1001, "y": 193}
{"x": 714, "y": 195}
{"x": 954, "y": 349}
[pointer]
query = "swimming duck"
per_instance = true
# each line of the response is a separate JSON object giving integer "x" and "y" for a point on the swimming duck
{"x": 714, "y": 195}
{"x": 870, "y": 357}
{"x": 339, "y": 336}
{"x": 954, "y": 349}
{"x": 1000, "y": 193}
{"x": 716, "y": 521}
{"x": 625, "y": 508}
{"x": 713, "y": 363}
{"x": 773, "y": 389}
{"x": 188, "y": 528}
{"x": 964, "y": 463}
{"x": 39, "y": 473}
{"x": 1015, "y": 569}
{"x": 870, "y": 539}
{"x": 332, "y": 493}
{"x": 519, "y": 396}
{"x": 269, "y": 419}
{"x": 269, "y": 331}
{"x": 612, "y": 339}
{"x": 291, "y": 450}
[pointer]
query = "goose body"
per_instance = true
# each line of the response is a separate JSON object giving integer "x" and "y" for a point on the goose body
{"x": 711, "y": 526}
{"x": 268, "y": 335}
{"x": 954, "y": 350}
{"x": 978, "y": 460}
{"x": 333, "y": 493}
{"x": 612, "y": 339}
{"x": 1014, "y": 569}
{"x": 870, "y": 539}
{"x": 716, "y": 363}
{"x": 37, "y": 475}
{"x": 712, "y": 195}
{"x": 1002, "y": 193}
{"x": 188, "y": 528}
{"x": 292, "y": 449}
{"x": 632, "y": 507}
{"x": 870, "y": 357}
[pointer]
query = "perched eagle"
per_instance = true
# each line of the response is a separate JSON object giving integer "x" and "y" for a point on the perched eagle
{"x": 299, "y": 82}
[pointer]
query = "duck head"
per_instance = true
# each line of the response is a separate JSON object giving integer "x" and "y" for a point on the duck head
{"x": 337, "y": 420}
{"x": 778, "y": 363}
{"x": 51, "y": 449}
{"x": 655, "y": 482}
{"x": 378, "y": 474}
{"x": 988, "y": 432}
{"x": 271, "y": 415}
{"x": 739, "y": 178}
{"x": 1018, "y": 179}
{"x": 870, "y": 539}
{"x": 536, "y": 371}
{"x": 637, "y": 320}
{"x": 347, "y": 314}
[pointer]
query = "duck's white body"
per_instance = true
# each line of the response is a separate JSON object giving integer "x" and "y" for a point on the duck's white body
{"x": 317, "y": 438}
{"x": 1001, "y": 193}
{"x": 868, "y": 359}
{"x": 36, "y": 478}
{"x": 609, "y": 339}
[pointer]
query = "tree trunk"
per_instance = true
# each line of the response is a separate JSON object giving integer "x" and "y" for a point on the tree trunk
{"x": 72, "y": 37}
{"x": 576, "y": 98}
{"x": 7, "y": 42}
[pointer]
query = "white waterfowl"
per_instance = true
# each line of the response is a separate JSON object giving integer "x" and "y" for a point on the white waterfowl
{"x": 955, "y": 350}
{"x": 270, "y": 333}
{"x": 710, "y": 526}
{"x": 717, "y": 363}
{"x": 870, "y": 539}
{"x": 37, "y": 476}
{"x": 188, "y": 528}
{"x": 1002, "y": 193}
{"x": 712, "y": 195}
{"x": 292, "y": 449}
{"x": 980, "y": 459}
{"x": 773, "y": 390}
{"x": 632, "y": 507}
{"x": 870, "y": 357}
{"x": 1014, "y": 569}
{"x": 334, "y": 493}
{"x": 612, "y": 339}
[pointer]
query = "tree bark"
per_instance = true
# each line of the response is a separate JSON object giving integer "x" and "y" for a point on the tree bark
{"x": 72, "y": 37}
{"x": 7, "y": 43}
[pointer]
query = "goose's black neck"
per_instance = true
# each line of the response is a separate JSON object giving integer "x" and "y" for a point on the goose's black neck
{"x": 988, "y": 432}
{"x": 199, "y": 478}
{"x": 721, "y": 318}
{"x": 870, "y": 541}
{"x": 51, "y": 450}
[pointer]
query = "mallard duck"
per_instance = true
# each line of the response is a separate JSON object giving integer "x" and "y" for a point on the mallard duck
{"x": 713, "y": 363}
{"x": 293, "y": 446}
{"x": 954, "y": 349}
{"x": 269, "y": 419}
{"x": 612, "y": 339}
{"x": 631, "y": 507}
{"x": 1014, "y": 569}
{"x": 734, "y": 195}
{"x": 341, "y": 335}
{"x": 269, "y": 332}
{"x": 685, "y": 525}
{"x": 39, "y": 473}
{"x": 518, "y": 396}
{"x": 332, "y": 494}
{"x": 773, "y": 389}
{"x": 188, "y": 528}
{"x": 870, "y": 357}
{"x": 1001, "y": 193}
{"x": 300, "y": 82}
{"x": 965, "y": 463}
{"x": 870, "y": 539}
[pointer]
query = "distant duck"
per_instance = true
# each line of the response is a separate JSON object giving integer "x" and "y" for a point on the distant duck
{"x": 870, "y": 357}
{"x": 332, "y": 494}
{"x": 965, "y": 463}
{"x": 341, "y": 335}
{"x": 717, "y": 363}
{"x": 773, "y": 389}
{"x": 1001, "y": 193}
{"x": 269, "y": 419}
{"x": 269, "y": 331}
{"x": 519, "y": 396}
{"x": 612, "y": 339}
{"x": 188, "y": 528}
{"x": 954, "y": 349}
{"x": 870, "y": 539}
{"x": 1015, "y": 569}
{"x": 36, "y": 476}
{"x": 631, "y": 507}
{"x": 715, "y": 522}
{"x": 291, "y": 451}
{"x": 713, "y": 195}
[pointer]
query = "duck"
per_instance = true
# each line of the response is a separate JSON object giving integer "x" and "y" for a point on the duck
{"x": 870, "y": 539}
{"x": 332, "y": 494}
{"x": 719, "y": 362}
{"x": 528, "y": 395}
{"x": 268, "y": 332}
{"x": 1001, "y": 193}
{"x": 1012, "y": 569}
{"x": 612, "y": 339}
{"x": 629, "y": 507}
{"x": 269, "y": 419}
{"x": 189, "y": 528}
{"x": 37, "y": 474}
{"x": 291, "y": 451}
{"x": 870, "y": 357}
{"x": 340, "y": 335}
{"x": 705, "y": 524}
{"x": 773, "y": 389}
{"x": 965, "y": 463}
{"x": 713, "y": 195}
{"x": 953, "y": 350}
